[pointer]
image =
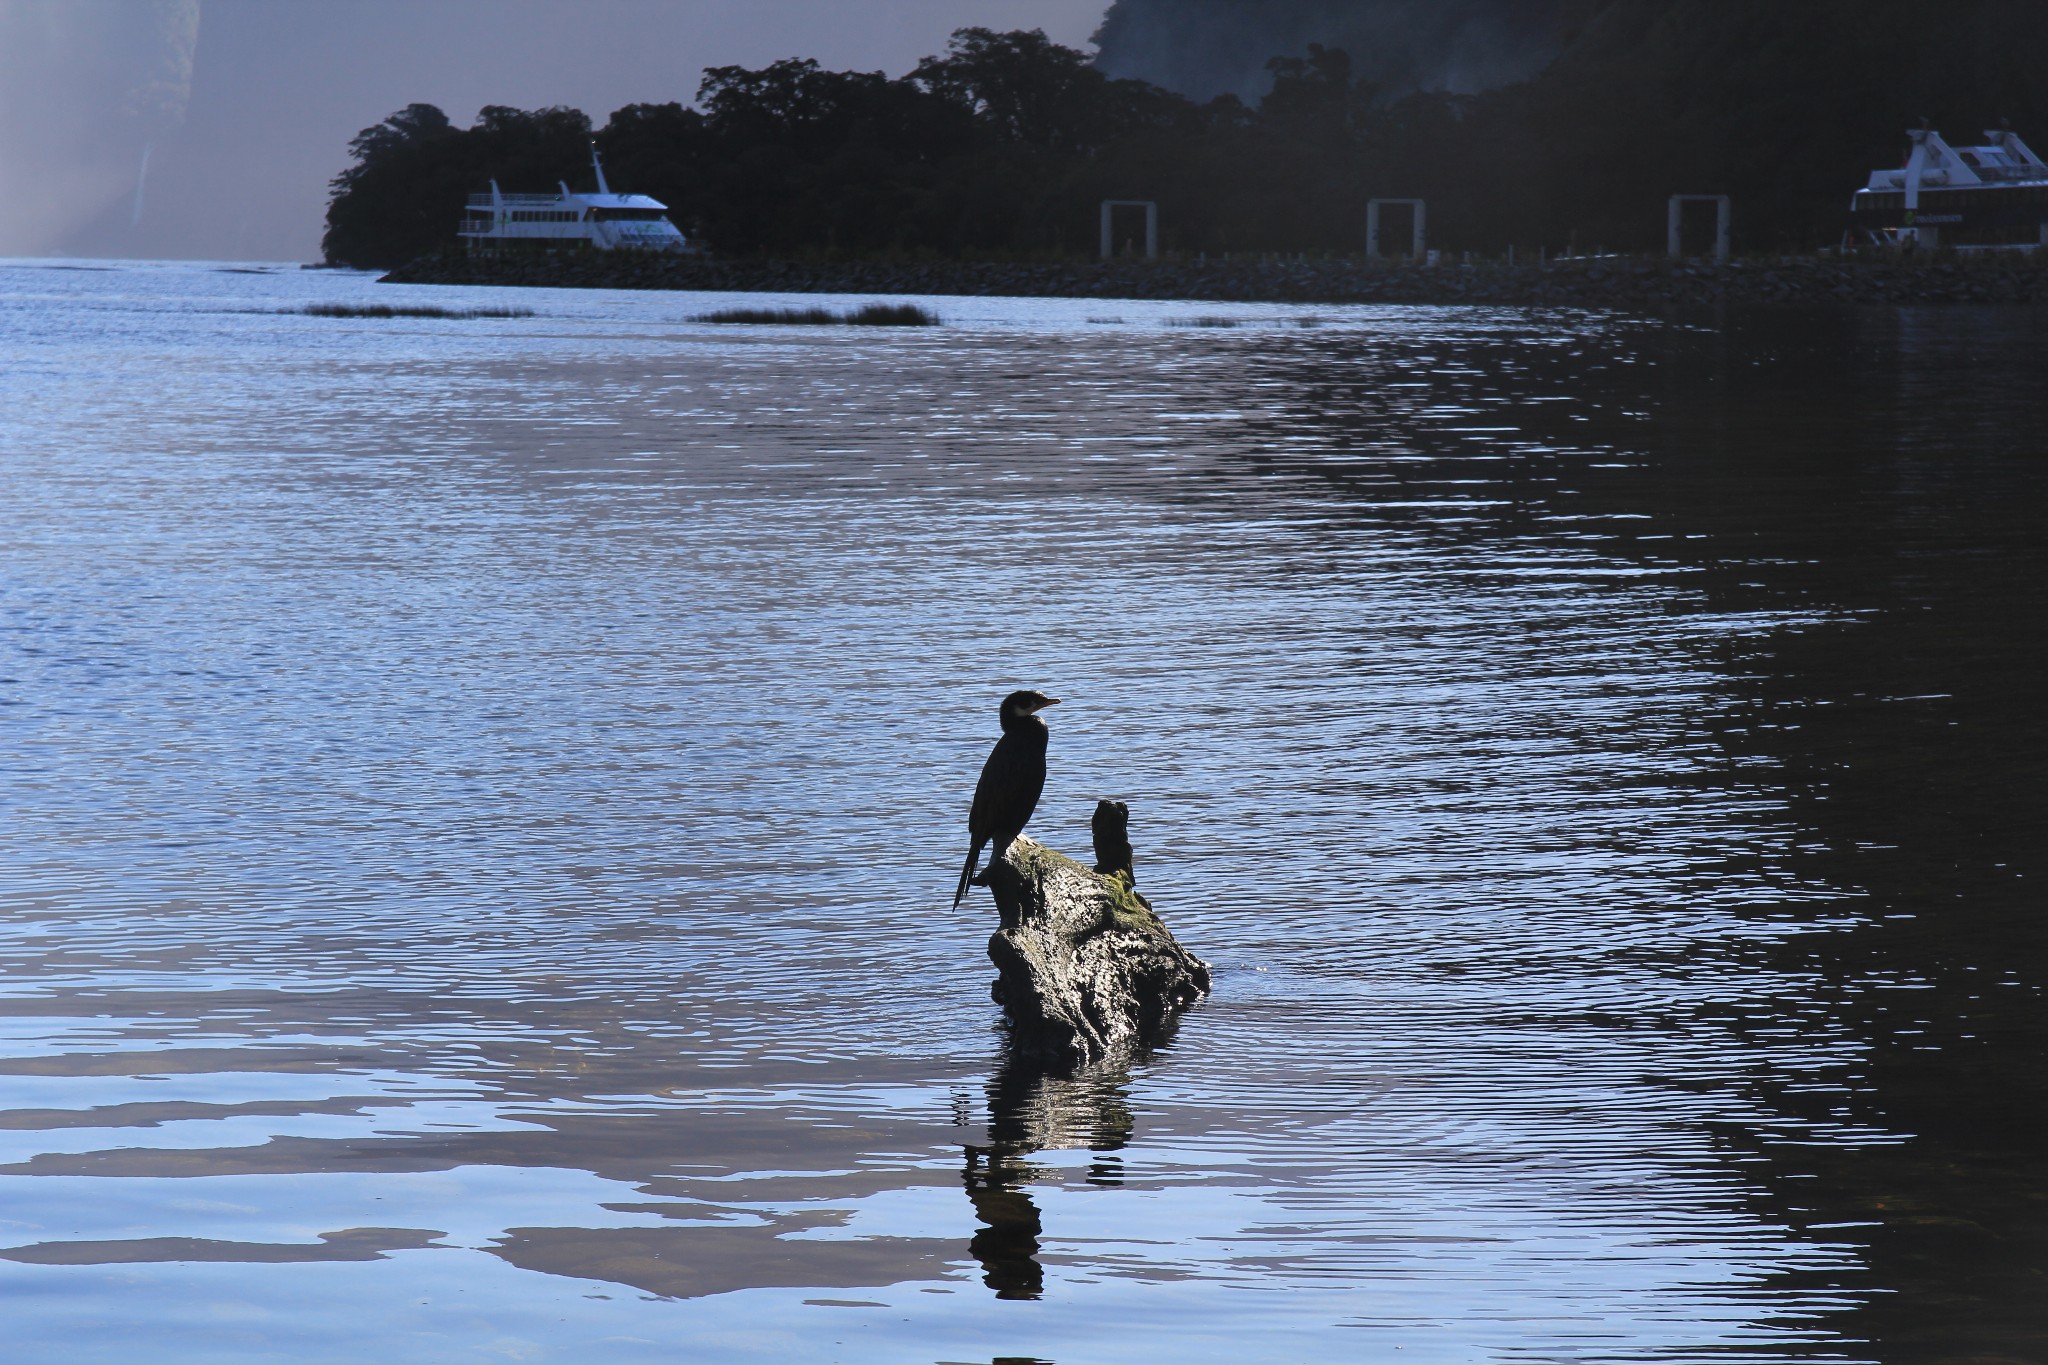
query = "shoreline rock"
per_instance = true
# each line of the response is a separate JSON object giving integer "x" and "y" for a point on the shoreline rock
{"x": 1085, "y": 967}
{"x": 1629, "y": 283}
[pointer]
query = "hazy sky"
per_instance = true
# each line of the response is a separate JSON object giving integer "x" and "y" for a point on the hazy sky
{"x": 243, "y": 109}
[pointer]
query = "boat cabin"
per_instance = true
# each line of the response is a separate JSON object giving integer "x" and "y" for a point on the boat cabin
{"x": 1969, "y": 198}
{"x": 603, "y": 221}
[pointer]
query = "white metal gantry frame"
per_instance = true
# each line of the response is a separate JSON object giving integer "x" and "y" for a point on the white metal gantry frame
{"x": 1372, "y": 225}
{"x": 1151, "y": 207}
{"x": 1676, "y": 214}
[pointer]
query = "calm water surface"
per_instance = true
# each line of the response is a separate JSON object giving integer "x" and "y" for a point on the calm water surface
{"x": 481, "y": 801}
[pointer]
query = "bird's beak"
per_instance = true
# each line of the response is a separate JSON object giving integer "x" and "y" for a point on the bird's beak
{"x": 1049, "y": 701}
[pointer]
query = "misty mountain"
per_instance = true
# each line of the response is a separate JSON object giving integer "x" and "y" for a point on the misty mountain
{"x": 1204, "y": 48}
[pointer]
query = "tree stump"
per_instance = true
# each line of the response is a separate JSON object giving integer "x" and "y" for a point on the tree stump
{"x": 1084, "y": 965}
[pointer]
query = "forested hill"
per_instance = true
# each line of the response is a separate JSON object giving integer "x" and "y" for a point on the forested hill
{"x": 1005, "y": 144}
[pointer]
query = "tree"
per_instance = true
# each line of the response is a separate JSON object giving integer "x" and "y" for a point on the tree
{"x": 389, "y": 207}
{"x": 1020, "y": 87}
{"x": 1007, "y": 141}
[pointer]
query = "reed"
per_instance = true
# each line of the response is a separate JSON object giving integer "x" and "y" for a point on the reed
{"x": 387, "y": 310}
{"x": 869, "y": 315}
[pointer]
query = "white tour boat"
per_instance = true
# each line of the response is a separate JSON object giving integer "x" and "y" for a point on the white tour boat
{"x": 1995, "y": 195}
{"x": 605, "y": 221}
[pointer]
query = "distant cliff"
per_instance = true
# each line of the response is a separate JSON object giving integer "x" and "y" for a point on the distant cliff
{"x": 1204, "y": 48}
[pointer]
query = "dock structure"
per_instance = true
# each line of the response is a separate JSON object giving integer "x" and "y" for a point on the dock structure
{"x": 1675, "y": 223}
{"x": 1418, "y": 237}
{"x": 1109, "y": 208}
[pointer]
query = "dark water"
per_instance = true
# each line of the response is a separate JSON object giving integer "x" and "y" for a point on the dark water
{"x": 481, "y": 800}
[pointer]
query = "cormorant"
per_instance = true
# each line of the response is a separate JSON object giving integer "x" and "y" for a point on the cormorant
{"x": 1010, "y": 781}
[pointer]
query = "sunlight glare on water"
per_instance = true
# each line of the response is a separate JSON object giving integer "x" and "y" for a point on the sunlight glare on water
{"x": 483, "y": 796}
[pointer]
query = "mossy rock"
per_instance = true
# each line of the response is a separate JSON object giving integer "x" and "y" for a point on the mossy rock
{"x": 1085, "y": 965}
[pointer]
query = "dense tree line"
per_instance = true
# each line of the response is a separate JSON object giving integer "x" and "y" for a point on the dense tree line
{"x": 1006, "y": 143}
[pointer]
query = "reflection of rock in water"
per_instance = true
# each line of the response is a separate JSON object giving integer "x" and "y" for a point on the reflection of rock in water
{"x": 1031, "y": 1110}
{"x": 1007, "y": 1244}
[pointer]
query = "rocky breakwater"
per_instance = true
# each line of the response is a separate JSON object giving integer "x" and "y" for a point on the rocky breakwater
{"x": 1625, "y": 283}
{"x": 1085, "y": 967}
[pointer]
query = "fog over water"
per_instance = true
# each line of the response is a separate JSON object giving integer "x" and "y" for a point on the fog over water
{"x": 244, "y": 108}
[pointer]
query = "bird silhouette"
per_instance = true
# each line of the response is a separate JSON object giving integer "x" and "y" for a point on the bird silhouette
{"x": 1010, "y": 781}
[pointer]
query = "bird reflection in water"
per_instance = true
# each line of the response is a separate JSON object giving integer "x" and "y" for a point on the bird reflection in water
{"x": 1035, "y": 1109}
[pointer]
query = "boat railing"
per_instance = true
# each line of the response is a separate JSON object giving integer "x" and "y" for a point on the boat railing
{"x": 524, "y": 201}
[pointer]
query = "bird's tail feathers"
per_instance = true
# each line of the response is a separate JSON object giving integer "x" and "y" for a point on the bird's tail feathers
{"x": 967, "y": 873}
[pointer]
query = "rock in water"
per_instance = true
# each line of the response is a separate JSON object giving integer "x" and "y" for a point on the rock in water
{"x": 1084, "y": 965}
